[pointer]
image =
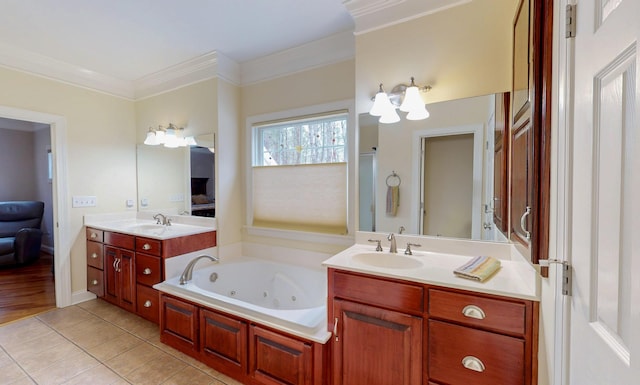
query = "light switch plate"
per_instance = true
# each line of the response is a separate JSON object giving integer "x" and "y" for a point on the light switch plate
{"x": 84, "y": 201}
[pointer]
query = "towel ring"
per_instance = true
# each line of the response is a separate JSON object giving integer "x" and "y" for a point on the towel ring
{"x": 393, "y": 178}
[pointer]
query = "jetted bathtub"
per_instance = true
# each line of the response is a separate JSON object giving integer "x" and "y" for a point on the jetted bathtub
{"x": 286, "y": 297}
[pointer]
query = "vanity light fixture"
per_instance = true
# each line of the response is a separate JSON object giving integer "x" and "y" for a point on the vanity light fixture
{"x": 384, "y": 105}
{"x": 171, "y": 137}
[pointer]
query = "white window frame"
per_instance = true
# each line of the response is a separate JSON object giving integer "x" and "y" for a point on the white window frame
{"x": 350, "y": 152}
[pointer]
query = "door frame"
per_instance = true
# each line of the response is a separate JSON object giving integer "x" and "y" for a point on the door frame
{"x": 61, "y": 213}
{"x": 476, "y": 205}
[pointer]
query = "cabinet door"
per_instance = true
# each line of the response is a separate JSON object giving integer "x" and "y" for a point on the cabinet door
{"x": 224, "y": 342}
{"x": 375, "y": 346}
{"x": 501, "y": 162}
{"x": 277, "y": 359}
{"x": 179, "y": 325}
{"x": 127, "y": 280}
{"x": 111, "y": 292}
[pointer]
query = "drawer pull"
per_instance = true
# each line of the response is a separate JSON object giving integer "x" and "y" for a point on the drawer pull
{"x": 473, "y": 363}
{"x": 472, "y": 311}
{"x": 147, "y": 303}
{"x": 146, "y": 271}
{"x": 146, "y": 246}
{"x": 93, "y": 236}
{"x": 94, "y": 282}
{"x": 94, "y": 255}
{"x": 335, "y": 329}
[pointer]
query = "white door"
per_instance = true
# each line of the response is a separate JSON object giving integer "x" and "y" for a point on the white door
{"x": 604, "y": 342}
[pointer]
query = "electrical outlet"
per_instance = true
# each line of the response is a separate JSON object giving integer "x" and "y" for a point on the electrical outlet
{"x": 130, "y": 203}
{"x": 84, "y": 201}
{"x": 144, "y": 202}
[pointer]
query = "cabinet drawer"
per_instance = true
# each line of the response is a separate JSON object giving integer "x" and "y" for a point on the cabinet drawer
{"x": 95, "y": 235}
{"x": 95, "y": 255}
{"x": 460, "y": 355}
{"x": 375, "y": 291}
{"x": 492, "y": 314}
{"x": 149, "y": 246}
{"x": 147, "y": 303}
{"x": 95, "y": 281}
{"x": 124, "y": 241}
{"x": 148, "y": 269}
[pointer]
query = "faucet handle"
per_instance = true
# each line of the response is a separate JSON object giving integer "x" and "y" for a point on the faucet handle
{"x": 408, "y": 251}
{"x": 378, "y": 247}
{"x": 168, "y": 221}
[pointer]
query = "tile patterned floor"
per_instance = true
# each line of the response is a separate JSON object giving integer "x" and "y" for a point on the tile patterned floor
{"x": 98, "y": 344}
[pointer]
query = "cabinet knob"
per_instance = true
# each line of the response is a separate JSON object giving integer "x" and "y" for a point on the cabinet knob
{"x": 147, "y": 303}
{"x": 473, "y": 311}
{"x": 94, "y": 255}
{"x": 146, "y": 246}
{"x": 473, "y": 363}
{"x": 94, "y": 282}
{"x": 93, "y": 236}
{"x": 146, "y": 271}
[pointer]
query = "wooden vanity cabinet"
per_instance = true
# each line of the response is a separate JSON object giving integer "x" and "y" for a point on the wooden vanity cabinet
{"x": 247, "y": 351}
{"x": 393, "y": 331}
{"x": 122, "y": 268}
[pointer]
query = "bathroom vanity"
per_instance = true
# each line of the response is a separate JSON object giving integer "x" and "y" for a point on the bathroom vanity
{"x": 125, "y": 258}
{"x": 408, "y": 320}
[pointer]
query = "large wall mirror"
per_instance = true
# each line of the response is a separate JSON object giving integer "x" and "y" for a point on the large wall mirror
{"x": 177, "y": 179}
{"x": 441, "y": 168}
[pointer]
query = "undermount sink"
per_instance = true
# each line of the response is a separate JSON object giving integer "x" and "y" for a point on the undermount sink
{"x": 387, "y": 260}
{"x": 147, "y": 228}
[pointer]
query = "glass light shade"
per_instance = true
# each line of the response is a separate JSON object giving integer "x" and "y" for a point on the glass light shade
{"x": 160, "y": 136}
{"x": 418, "y": 114}
{"x": 171, "y": 140}
{"x": 390, "y": 116}
{"x": 191, "y": 141}
{"x": 381, "y": 103}
{"x": 151, "y": 139}
{"x": 412, "y": 100}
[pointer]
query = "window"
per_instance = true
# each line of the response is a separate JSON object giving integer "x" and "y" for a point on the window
{"x": 299, "y": 173}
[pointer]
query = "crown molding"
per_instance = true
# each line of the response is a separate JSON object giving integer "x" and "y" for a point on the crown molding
{"x": 25, "y": 61}
{"x": 333, "y": 49}
{"x": 371, "y": 15}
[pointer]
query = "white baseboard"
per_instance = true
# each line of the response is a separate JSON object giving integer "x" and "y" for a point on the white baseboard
{"x": 81, "y": 296}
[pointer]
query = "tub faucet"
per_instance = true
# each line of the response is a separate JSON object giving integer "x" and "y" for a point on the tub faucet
{"x": 392, "y": 246}
{"x": 188, "y": 271}
{"x": 165, "y": 221}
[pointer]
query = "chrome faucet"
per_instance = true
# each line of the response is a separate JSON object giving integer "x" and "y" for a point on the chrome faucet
{"x": 392, "y": 246}
{"x": 165, "y": 220}
{"x": 188, "y": 271}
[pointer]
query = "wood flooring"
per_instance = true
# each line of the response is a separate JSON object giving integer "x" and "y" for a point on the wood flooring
{"x": 27, "y": 290}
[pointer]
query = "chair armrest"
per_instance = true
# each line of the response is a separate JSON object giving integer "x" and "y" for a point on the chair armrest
{"x": 27, "y": 244}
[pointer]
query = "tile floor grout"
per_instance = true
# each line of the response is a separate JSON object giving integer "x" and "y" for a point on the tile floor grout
{"x": 100, "y": 312}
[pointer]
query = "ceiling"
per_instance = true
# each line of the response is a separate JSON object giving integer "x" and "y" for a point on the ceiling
{"x": 102, "y": 43}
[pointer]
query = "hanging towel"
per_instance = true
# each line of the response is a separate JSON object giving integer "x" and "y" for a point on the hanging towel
{"x": 393, "y": 200}
{"x": 479, "y": 268}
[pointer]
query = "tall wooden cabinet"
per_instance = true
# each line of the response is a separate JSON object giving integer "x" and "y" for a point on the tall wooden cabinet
{"x": 530, "y": 128}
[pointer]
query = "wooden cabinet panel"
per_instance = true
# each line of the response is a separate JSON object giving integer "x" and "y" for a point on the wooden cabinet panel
{"x": 389, "y": 294}
{"x": 374, "y": 346}
{"x": 522, "y": 209}
{"x": 120, "y": 287}
{"x": 460, "y": 356}
{"x": 148, "y": 269}
{"x": 94, "y": 235}
{"x": 123, "y": 241}
{"x": 224, "y": 341}
{"x": 149, "y": 246}
{"x": 95, "y": 255}
{"x": 148, "y": 306}
{"x": 277, "y": 359}
{"x": 179, "y": 325}
{"x": 501, "y": 162}
{"x": 95, "y": 281}
{"x": 477, "y": 311}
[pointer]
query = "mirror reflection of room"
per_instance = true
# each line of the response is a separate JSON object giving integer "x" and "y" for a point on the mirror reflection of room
{"x": 203, "y": 200}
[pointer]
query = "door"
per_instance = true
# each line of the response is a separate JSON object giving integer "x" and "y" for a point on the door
{"x": 604, "y": 342}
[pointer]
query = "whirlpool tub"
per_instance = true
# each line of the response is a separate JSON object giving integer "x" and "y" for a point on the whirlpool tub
{"x": 286, "y": 297}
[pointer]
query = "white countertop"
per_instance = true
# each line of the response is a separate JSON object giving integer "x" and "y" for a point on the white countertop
{"x": 142, "y": 224}
{"x": 516, "y": 277}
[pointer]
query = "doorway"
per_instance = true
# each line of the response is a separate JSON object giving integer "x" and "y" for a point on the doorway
{"x": 60, "y": 196}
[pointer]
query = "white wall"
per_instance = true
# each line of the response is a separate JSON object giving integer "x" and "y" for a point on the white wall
{"x": 17, "y": 178}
